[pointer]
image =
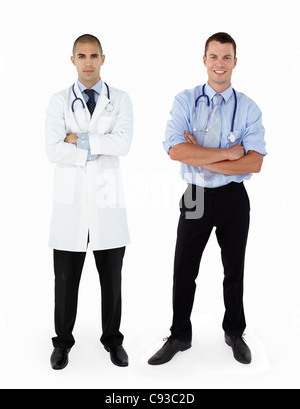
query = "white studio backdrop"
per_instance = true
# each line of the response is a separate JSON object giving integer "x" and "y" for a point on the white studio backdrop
{"x": 153, "y": 51}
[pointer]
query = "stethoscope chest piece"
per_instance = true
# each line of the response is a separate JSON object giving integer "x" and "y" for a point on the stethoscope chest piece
{"x": 231, "y": 137}
{"x": 109, "y": 108}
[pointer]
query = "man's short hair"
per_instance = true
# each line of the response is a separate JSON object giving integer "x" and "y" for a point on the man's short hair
{"x": 222, "y": 38}
{"x": 87, "y": 39}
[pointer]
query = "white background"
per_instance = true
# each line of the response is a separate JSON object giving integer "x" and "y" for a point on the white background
{"x": 153, "y": 51}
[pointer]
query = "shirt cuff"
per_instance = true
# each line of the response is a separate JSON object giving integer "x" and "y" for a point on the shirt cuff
{"x": 84, "y": 144}
{"x": 83, "y": 136}
{"x": 83, "y": 141}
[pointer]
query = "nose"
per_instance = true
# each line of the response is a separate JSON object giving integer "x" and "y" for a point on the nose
{"x": 220, "y": 63}
{"x": 88, "y": 62}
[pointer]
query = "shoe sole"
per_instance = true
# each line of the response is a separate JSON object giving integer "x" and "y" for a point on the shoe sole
{"x": 119, "y": 365}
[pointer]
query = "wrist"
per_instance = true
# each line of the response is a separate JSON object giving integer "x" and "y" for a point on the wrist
{"x": 228, "y": 155}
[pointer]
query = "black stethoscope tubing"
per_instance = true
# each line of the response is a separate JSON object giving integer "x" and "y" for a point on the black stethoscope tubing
{"x": 208, "y": 104}
{"x": 79, "y": 99}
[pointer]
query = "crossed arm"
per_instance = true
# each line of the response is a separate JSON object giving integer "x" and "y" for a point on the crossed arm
{"x": 229, "y": 161}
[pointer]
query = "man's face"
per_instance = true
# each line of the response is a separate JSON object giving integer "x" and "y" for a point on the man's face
{"x": 88, "y": 62}
{"x": 220, "y": 62}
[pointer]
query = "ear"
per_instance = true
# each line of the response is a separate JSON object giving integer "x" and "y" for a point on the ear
{"x": 235, "y": 62}
{"x": 102, "y": 59}
{"x": 204, "y": 60}
{"x": 73, "y": 60}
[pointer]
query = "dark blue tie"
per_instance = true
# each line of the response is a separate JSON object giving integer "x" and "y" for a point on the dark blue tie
{"x": 91, "y": 104}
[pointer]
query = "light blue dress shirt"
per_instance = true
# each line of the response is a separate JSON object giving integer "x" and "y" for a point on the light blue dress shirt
{"x": 83, "y": 141}
{"x": 248, "y": 129}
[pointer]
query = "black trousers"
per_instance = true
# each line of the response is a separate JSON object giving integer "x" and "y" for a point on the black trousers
{"x": 227, "y": 208}
{"x": 68, "y": 268}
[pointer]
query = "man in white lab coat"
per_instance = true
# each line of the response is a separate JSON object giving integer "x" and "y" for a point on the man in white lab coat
{"x": 88, "y": 126}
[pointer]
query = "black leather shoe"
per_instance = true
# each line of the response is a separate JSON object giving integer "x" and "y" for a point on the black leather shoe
{"x": 240, "y": 349}
{"x": 167, "y": 352}
{"x": 60, "y": 358}
{"x": 118, "y": 355}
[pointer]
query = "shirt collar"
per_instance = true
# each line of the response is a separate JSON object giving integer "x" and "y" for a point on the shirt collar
{"x": 97, "y": 87}
{"x": 210, "y": 92}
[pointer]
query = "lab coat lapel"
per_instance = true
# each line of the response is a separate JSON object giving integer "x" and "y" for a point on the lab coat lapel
{"x": 79, "y": 95}
{"x": 102, "y": 102}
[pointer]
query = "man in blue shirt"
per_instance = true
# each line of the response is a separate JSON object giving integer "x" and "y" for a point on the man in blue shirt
{"x": 217, "y": 135}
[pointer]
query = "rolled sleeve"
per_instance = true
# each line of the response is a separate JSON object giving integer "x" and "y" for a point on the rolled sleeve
{"x": 172, "y": 141}
{"x": 178, "y": 123}
{"x": 254, "y": 137}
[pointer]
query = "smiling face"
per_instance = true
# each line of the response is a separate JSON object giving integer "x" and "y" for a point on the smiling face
{"x": 220, "y": 61}
{"x": 88, "y": 61}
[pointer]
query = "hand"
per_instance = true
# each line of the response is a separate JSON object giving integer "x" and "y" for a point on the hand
{"x": 235, "y": 152}
{"x": 71, "y": 138}
{"x": 190, "y": 139}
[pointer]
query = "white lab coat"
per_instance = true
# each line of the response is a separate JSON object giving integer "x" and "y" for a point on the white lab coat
{"x": 88, "y": 195}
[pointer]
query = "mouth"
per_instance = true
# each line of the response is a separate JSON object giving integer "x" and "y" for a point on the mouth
{"x": 219, "y": 72}
{"x": 88, "y": 72}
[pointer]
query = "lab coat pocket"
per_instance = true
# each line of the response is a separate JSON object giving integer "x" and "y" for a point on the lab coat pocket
{"x": 64, "y": 185}
{"x": 105, "y": 125}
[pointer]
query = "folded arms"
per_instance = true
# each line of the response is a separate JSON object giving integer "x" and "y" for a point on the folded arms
{"x": 228, "y": 161}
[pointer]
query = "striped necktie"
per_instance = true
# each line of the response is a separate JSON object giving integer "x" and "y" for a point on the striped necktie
{"x": 213, "y": 136}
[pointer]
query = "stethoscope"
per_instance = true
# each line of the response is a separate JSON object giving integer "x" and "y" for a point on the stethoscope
{"x": 109, "y": 107}
{"x": 231, "y": 137}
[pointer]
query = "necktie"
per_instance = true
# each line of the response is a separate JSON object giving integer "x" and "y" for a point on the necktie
{"x": 91, "y": 104}
{"x": 213, "y": 136}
